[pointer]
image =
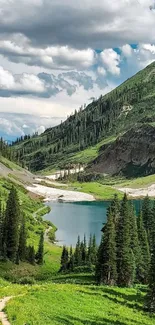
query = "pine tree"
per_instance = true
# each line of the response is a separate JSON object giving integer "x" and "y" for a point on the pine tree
{"x": 64, "y": 259}
{"x": 83, "y": 249}
{"x": 31, "y": 254}
{"x": 125, "y": 261}
{"x": 22, "y": 241}
{"x": 152, "y": 227}
{"x": 12, "y": 220}
{"x": 106, "y": 268}
{"x": 1, "y": 229}
{"x": 77, "y": 253}
{"x": 40, "y": 252}
{"x": 144, "y": 248}
{"x": 94, "y": 250}
{"x": 146, "y": 212}
{"x": 150, "y": 297}
{"x": 71, "y": 260}
{"x": 134, "y": 241}
{"x": 89, "y": 255}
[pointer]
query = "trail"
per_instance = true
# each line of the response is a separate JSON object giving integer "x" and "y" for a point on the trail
{"x": 46, "y": 238}
{"x": 36, "y": 212}
{"x": 3, "y": 316}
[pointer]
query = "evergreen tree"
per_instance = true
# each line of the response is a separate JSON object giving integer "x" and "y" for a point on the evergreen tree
{"x": 12, "y": 220}
{"x": 90, "y": 245}
{"x": 64, "y": 259}
{"x": 71, "y": 260}
{"x": 134, "y": 241}
{"x": 144, "y": 249}
{"x": 1, "y": 229}
{"x": 125, "y": 260}
{"x": 152, "y": 227}
{"x": 22, "y": 241}
{"x": 106, "y": 268}
{"x": 150, "y": 298}
{"x": 77, "y": 253}
{"x": 83, "y": 249}
{"x": 40, "y": 252}
{"x": 94, "y": 250}
{"x": 31, "y": 254}
{"x": 146, "y": 213}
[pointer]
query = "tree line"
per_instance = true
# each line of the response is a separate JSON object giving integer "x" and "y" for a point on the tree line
{"x": 126, "y": 254}
{"x": 13, "y": 233}
{"x": 83, "y": 255}
{"x": 84, "y": 128}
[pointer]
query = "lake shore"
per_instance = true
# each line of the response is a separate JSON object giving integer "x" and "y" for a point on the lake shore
{"x": 138, "y": 192}
{"x": 55, "y": 194}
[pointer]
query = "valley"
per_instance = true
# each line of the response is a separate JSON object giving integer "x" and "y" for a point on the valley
{"x": 66, "y": 179}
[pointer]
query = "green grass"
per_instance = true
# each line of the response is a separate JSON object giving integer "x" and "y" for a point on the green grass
{"x": 100, "y": 192}
{"x": 139, "y": 182}
{"x": 72, "y": 304}
{"x": 89, "y": 154}
{"x": 10, "y": 164}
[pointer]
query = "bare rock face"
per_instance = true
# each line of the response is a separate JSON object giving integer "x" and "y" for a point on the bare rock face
{"x": 132, "y": 155}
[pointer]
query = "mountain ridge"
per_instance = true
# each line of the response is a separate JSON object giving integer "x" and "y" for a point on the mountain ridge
{"x": 131, "y": 103}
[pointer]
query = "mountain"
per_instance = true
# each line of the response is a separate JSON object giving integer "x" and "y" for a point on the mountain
{"x": 132, "y": 155}
{"x": 130, "y": 104}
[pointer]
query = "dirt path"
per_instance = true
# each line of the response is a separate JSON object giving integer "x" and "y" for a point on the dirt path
{"x": 36, "y": 212}
{"x": 3, "y": 316}
{"x": 46, "y": 238}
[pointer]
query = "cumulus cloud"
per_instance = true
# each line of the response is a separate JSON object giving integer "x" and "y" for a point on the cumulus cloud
{"x": 44, "y": 84}
{"x": 19, "y": 84}
{"x": 111, "y": 60}
{"x": 90, "y": 24}
{"x": 52, "y": 57}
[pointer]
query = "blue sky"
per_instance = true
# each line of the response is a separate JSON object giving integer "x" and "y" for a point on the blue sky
{"x": 55, "y": 56}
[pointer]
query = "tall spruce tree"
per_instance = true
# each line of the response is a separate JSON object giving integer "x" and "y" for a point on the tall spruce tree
{"x": 30, "y": 254}
{"x": 150, "y": 297}
{"x": 40, "y": 252}
{"x": 71, "y": 260}
{"x": 22, "y": 241}
{"x": 106, "y": 268}
{"x": 125, "y": 256}
{"x": 134, "y": 241}
{"x": 144, "y": 248}
{"x": 152, "y": 228}
{"x": 1, "y": 229}
{"x": 64, "y": 259}
{"x": 77, "y": 253}
{"x": 12, "y": 221}
{"x": 147, "y": 212}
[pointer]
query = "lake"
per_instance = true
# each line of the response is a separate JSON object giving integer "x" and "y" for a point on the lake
{"x": 78, "y": 218}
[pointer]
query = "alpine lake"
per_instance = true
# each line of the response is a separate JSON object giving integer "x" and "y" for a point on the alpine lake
{"x": 79, "y": 218}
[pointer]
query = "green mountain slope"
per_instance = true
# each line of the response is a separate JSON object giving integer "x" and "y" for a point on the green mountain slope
{"x": 132, "y": 103}
{"x": 132, "y": 155}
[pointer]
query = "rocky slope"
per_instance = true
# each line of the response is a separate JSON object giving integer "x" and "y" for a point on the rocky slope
{"x": 133, "y": 154}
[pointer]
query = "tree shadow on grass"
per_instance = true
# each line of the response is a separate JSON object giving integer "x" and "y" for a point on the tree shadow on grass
{"x": 70, "y": 320}
{"x": 128, "y": 301}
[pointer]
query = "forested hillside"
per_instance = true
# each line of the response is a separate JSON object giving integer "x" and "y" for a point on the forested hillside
{"x": 132, "y": 103}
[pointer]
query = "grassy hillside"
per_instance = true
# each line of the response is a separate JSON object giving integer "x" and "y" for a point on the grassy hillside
{"x": 109, "y": 116}
{"x": 73, "y": 304}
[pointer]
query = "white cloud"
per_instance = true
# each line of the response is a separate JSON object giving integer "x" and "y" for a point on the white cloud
{"x": 51, "y": 57}
{"x": 127, "y": 50}
{"x": 40, "y": 129}
{"x": 25, "y": 83}
{"x": 111, "y": 60}
{"x": 101, "y": 71}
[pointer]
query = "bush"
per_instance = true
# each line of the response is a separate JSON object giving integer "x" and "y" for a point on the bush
{"x": 27, "y": 280}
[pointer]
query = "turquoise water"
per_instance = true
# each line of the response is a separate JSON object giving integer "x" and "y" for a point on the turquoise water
{"x": 78, "y": 218}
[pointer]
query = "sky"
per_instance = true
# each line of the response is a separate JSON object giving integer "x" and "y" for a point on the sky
{"x": 57, "y": 55}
